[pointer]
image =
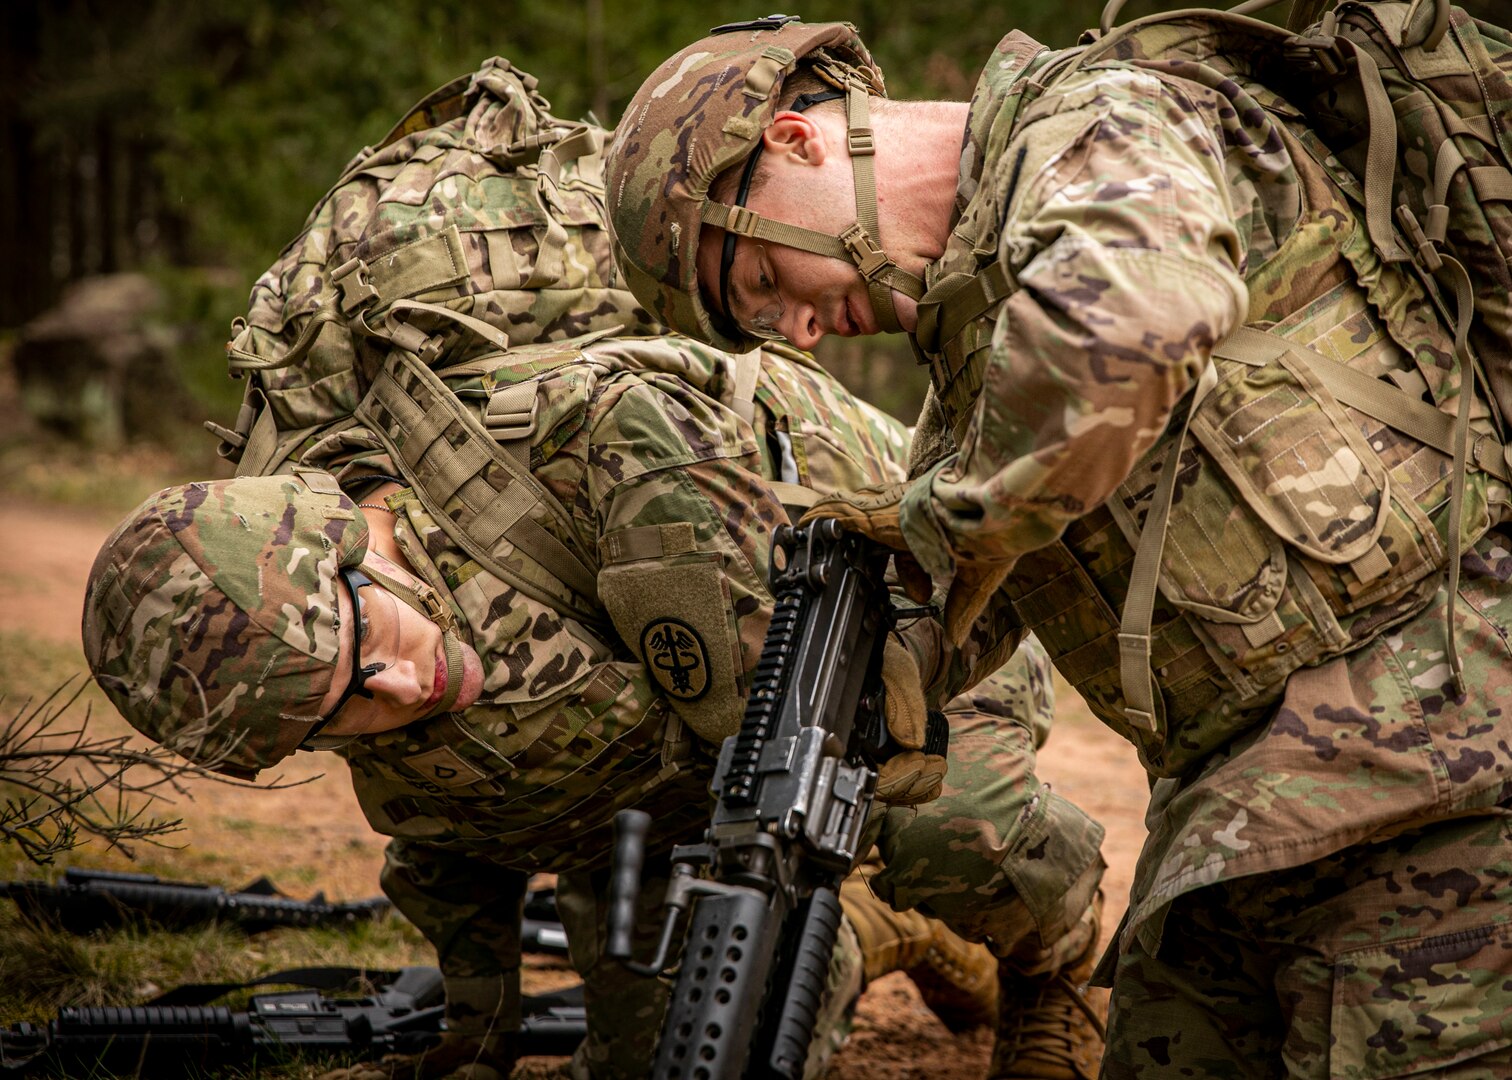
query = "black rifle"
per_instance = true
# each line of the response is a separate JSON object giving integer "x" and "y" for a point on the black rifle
{"x": 792, "y": 788}
{"x": 180, "y": 1035}
{"x": 87, "y": 900}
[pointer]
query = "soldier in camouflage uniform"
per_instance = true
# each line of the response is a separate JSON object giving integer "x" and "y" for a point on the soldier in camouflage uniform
{"x": 1157, "y": 324}
{"x": 582, "y": 709}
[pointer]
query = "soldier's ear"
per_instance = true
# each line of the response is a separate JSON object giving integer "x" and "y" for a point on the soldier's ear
{"x": 796, "y": 137}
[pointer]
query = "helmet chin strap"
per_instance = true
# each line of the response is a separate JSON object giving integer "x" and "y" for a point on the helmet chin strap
{"x": 425, "y": 600}
{"x": 858, "y": 244}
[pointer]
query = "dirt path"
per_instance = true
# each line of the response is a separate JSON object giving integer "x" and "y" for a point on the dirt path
{"x": 895, "y": 1036}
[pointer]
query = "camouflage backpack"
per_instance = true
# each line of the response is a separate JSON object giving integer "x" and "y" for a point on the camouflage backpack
{"x": 1408, "y": 108}
{"x": 476, "y": 222}
{"x": 1180, "y": 608}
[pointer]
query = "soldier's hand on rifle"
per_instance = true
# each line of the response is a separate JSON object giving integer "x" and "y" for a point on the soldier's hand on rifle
{"x": 457, "y": 1056}
{"x": 873, "y": 512}
{"x": 910, "y": 777}
{"x": 870, "y": 511}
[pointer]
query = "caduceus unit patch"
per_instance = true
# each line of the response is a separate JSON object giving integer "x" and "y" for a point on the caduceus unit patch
{"x": 677, "y": 658}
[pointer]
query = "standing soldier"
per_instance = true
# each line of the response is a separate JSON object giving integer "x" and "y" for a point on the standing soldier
{"x": 498, "y": 703}
{"x": 1160, "y": 319}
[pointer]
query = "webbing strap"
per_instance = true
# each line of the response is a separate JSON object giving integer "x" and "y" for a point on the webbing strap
{"x": 1492, "y": 183}
{"x": 1144, "y": 579}
{"x": 747, "y": 369}
{"x": 488, "y": 332}
{"x": 743, "y": 222}
{"x": 1464, "y": 296}
{"x": 425, "y": 598}
{"x": 865, "y": 248}
{"x": 1394, "y": 407}
{"x": 957, "y": 300}
{"x": 1380, "y": 156}
{"x": 432, "y": 465}
{"x": 793, "y": 496}
{"x": 239, "y": 359}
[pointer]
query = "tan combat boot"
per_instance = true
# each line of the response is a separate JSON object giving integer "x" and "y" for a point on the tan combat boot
{"x": 1047, "y": 1027}
{"x": 956, "y": 979}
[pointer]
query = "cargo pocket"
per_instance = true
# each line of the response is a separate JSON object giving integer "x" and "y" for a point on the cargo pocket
{"x": 670, "y": 603}
{"x": 1285, "y": 526}
{"x": 1422, "y": 1005}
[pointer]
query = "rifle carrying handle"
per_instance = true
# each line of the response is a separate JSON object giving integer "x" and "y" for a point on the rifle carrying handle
{"x": 625, "y": 880}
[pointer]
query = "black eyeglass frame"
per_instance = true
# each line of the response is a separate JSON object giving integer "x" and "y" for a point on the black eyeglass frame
{"x": 354, "y": 580}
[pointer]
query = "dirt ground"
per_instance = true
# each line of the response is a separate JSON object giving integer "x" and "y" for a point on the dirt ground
{"x": 895, "y": 1036}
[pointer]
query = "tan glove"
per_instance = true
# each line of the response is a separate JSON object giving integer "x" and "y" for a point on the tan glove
{"x": 455, "y": 1057}
{"x": 911, "y": 776}
{"x": 870, "y": 511}
{"x": 973, "y": 586}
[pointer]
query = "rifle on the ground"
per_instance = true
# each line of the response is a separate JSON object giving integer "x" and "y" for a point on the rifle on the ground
{"x": 793, "y": 788}
{"x": 87, "y": 900}
{"x": 180, "y": 1034}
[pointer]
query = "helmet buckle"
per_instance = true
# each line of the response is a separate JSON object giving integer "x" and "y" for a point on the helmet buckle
{"x": 742, "y": 222}
{"x": 870, "y": 259}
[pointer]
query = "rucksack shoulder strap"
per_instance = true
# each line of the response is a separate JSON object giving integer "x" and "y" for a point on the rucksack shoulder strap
{"x": 482, "y": 495}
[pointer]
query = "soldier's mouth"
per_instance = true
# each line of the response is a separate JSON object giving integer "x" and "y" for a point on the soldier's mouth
{"x": 438, "y": 684}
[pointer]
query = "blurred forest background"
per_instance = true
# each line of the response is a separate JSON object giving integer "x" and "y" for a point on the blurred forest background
{"x": 186, "y": 142}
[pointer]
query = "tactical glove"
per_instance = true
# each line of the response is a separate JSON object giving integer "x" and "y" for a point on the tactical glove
{"x": 911, "y": 776}
{"x": 455, "y": 1057}
{"x": 871, "y": 511}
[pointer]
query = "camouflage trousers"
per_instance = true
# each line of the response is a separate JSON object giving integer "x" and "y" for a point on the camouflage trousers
{"x": 1386, "y": 959}
{"x": 999, "y": 858}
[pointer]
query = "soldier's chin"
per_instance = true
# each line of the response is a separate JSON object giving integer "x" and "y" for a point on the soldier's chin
{"x": 472, "y": 677}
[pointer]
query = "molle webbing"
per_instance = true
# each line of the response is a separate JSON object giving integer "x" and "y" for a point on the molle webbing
{"x": 1382, "y": 401}
{"x": 482, "y": 495}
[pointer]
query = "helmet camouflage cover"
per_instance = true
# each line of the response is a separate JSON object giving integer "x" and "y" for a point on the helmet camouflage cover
{"x": 699, "y": 113}
{"x": 210, "y": 619}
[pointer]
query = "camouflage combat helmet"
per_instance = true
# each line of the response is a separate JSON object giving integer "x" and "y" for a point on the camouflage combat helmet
{"x": 702, "y": 112}
{"x": 211, "y": 621}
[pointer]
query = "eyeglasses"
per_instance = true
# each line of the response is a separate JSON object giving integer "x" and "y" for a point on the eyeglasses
{"x": 754, "y": 285}
{"x": 355, "y": 581}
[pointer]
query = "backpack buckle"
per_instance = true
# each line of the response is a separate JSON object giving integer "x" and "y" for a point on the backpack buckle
{"x": 1324, "y": 51}
{"x": 356, "y": 291}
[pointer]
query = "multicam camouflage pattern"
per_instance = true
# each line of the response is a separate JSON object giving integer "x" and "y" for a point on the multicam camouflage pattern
{"x": 640, "y": 439}
{"x": 210, "y": 619}
{"x": 480, "y": 200}
{"x": 1147, "y": 207}
{"x": 1383, "y": 973}
{"x": 695, "y": 116}
{"x": 1455, "y": 91}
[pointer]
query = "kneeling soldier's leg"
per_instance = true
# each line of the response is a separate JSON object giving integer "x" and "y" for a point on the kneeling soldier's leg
{"x": 1002, "y": 859}
{"x": 624, "y": 1009}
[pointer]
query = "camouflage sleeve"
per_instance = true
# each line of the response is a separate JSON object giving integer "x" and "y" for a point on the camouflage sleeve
{"x": 1120, "y": 236}
{"x": 684, "y": 517}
